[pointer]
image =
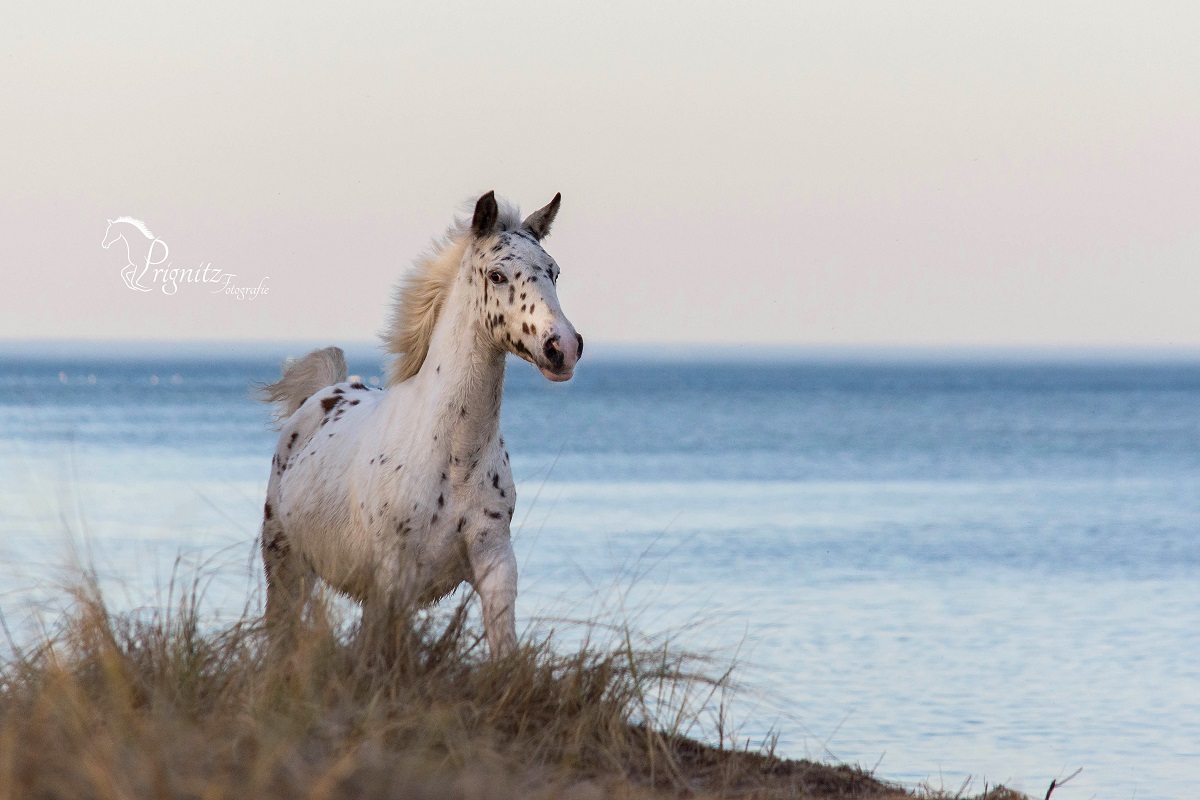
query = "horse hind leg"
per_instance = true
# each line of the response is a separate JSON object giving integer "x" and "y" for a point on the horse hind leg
{"x": 288, "y": 578}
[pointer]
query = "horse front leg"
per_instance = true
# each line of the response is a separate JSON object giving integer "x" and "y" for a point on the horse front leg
{"x": 387, "y": 613}
{"x": 127, "y": 274}
{"x": 376, "y": 641}
{"x": 494, "y": 568}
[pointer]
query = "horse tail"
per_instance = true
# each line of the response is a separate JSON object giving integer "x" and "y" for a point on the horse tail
{"x": 302, "y": 378}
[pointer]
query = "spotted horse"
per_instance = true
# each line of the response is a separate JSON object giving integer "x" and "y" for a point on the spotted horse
{"x": 395, "y": 497}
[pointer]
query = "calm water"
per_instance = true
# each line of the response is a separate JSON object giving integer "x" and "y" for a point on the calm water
{"x": 943, "y": 569}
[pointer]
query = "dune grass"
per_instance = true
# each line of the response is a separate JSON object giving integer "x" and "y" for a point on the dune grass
{"x": 157, "y": 705}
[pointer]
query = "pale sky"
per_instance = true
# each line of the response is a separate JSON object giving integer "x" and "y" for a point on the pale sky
{"x": 950, "y": 174}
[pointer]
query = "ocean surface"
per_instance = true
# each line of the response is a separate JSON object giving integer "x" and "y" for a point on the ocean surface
{"x": 942, "y": 569}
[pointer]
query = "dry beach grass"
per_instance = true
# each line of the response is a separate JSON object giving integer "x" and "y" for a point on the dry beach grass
{"x": 159, "y": 706}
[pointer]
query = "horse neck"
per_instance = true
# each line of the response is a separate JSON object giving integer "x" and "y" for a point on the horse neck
{"x": 462, "y": 381}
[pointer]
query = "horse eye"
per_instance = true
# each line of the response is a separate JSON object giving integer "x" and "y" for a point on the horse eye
{"x": 497, "y": 277}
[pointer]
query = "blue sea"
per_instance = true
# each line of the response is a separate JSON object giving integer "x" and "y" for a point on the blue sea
{"x": 943, "y": 568}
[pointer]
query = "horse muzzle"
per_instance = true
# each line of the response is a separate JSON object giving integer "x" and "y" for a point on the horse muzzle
{"x": 559, "y": 355}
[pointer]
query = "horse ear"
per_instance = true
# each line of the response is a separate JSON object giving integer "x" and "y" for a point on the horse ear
{"x": 538, "y": 223}
{"x": 486, "y": 214}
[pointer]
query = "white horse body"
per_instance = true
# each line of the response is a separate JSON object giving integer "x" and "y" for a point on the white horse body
{"x": 397, "y": 497}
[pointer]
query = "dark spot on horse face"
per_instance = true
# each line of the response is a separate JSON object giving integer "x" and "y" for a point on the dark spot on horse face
{"x": 492, "y": 514}
{"x": 462, "y": 521}
{"x": 354, "y": 402}
{"x": 441, "y": 500}
{"x": 357, "y": 385}
{"x": 339, "y": 390}
{"x": 433, "y": 520}
{"x": 495, "y": 480}
{"x": 292, "y": 441}
{"x": 328, "y": 403}
{"x": 267, "y": 511}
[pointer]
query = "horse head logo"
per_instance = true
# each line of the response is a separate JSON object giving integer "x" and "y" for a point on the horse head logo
{"x": 139, "y": 252}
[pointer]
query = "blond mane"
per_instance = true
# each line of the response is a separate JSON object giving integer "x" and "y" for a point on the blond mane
{"x": 137, "y": 223}
{"x": 419, "y": 295}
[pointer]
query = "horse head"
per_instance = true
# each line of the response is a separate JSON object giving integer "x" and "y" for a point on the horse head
{"x": 110, "y": 236}
{"x": 515, "y": 289}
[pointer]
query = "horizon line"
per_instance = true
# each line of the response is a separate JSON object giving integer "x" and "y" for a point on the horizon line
{"x": 644, "y": 351}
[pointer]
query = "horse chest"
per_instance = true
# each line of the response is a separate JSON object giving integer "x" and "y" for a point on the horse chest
{"x": 424, "y": 530}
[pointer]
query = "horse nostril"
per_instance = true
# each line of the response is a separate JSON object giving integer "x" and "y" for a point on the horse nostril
{"x": 553, "y": 352}
{"x": 580, "y": 353}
